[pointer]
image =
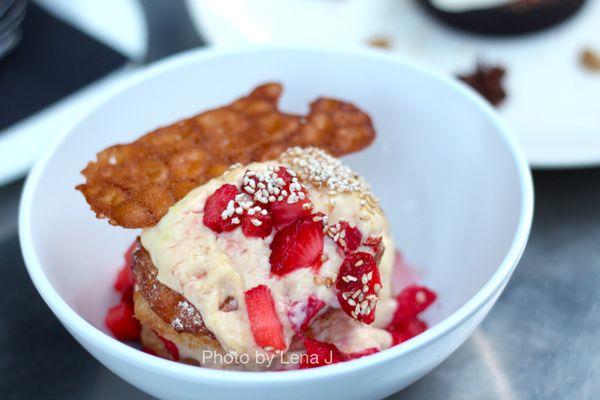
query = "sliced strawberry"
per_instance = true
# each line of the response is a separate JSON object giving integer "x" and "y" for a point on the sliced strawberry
{"x": 407, "y": 329}
{"x": 284, "y": 174}
{"x": 412, "y": 301}
{"x": 285, "y": 213}
{"x": 358, "y": 286}
{"x": 350, "y": 237}
{"x": 365, "y": 352}
{"x": 127, "y": 295}
{"x": 171, "y": 348}
{"x": 215, "y": 204}
{"x": 122, "y": 323}
{"x": 319, "y": 354}
{"x": 313, "y": 306}
{"x": 257, "y": 225}
{"x": 307, "y": 310}
{"x": 264, "y": 322}
{"x": 125, "y": 278}
{"x": 297, "y": 245}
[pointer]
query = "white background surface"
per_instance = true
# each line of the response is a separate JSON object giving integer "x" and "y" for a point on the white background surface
{"x": 553, "y": 105}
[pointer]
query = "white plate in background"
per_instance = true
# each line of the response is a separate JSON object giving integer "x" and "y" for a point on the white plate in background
{"x": 553, "y": 105}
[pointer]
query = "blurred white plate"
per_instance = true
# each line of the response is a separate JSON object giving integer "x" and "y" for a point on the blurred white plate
{"x": 553, "y": 104}
{"x": 119, "y": 24}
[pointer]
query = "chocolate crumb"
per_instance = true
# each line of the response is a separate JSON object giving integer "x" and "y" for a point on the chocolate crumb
{"x": 590, "y": 60}
{"x": 229, "y": 304}
{"x": 487, "y": 80}
{"x": 380, "y": 42}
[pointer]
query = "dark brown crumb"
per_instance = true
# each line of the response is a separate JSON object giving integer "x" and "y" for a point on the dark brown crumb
{"x": 590, "y": 59}
{"x": 229, "y": 304}
{"x": 487, "y": 80}
{"x": 380, "y": 42}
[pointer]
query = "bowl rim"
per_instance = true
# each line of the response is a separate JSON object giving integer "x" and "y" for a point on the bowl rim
{"x": 85, "y": 331}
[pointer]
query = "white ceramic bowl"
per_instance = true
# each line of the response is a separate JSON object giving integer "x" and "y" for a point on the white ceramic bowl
{"x": 452, "y": 180}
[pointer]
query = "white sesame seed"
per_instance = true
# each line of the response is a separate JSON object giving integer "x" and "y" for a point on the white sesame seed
{"x": 315, "y": 165}
{"x": 351, "y": 302}
{"x": 256, "y": 222}
{"x": 359, "y": 263}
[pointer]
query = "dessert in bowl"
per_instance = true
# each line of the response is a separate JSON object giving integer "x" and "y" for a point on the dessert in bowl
{"x": 453, "y": 185}
{"x": 285, "y": 263}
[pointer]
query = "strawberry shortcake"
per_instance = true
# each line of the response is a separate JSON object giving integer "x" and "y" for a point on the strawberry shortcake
{"x": 257, "y": 248}
{"x": 273, "y": 262}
